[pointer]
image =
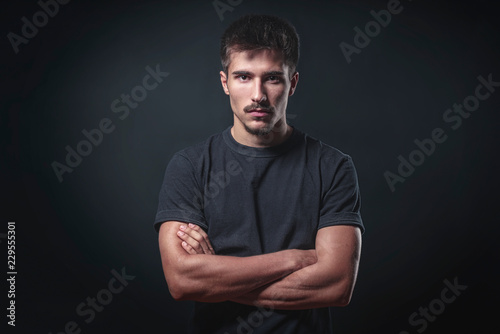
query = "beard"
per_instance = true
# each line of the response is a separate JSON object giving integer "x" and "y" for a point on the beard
{"x": 258, "y": 132}
{"x": 261, "y": 131}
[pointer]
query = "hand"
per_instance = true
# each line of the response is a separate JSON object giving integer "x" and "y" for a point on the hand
{"x": 194, "y": 239}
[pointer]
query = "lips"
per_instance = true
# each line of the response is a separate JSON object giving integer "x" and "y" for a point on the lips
{"x": 259, "y": 112}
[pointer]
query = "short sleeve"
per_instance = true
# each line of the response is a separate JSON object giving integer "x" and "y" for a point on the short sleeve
{"x": 180, "y": 196}
{"x": 341, "y": 202}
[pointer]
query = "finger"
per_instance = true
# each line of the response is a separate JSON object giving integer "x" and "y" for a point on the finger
{"x": 203, "y": 233}
{"x": 192, "y": 243}
{"x": 188, "y": 248}
{"x": 199, "y": 236}
{"x": 208, "y": 246}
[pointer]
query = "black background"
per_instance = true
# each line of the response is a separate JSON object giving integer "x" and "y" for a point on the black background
{"x": 441, "y": 223}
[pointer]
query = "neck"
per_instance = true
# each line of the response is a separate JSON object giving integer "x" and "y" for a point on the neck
{"x": 278, "y": 135}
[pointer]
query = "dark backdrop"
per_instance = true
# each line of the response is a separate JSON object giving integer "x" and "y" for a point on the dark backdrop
{"x": 435, "y": 229}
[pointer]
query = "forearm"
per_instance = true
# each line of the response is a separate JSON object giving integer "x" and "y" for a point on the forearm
{"x": 215, "y": 278}
{"x": 328, "y": 282}
{"x": 309, "y": 287}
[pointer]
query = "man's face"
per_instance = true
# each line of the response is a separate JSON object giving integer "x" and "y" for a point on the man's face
{"x": 258, "y": 84}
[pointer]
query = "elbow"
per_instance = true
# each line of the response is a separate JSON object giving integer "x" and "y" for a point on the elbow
{"x": 178, "y": 295}
{"x": 179, "y": 283}
{"x": 184, "y": 288}
{"x": 341, "y": 294}
{"x": 339, "y": 299}
{"x": 343, "y": 300}
{"x": 179, "y": 290}
{"x": 176, "y": 291}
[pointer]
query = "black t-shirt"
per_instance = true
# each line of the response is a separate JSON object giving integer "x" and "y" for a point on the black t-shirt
{"x": 254, "y": 201}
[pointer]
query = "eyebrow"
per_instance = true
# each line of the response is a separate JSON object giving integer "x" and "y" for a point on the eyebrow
{"x": 265, "y": 73}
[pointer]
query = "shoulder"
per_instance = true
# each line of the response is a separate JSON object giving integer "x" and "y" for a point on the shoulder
{"x": 195, "y": 152}
{"x": 326, "y": 153}
{"x": 191, "y": 162}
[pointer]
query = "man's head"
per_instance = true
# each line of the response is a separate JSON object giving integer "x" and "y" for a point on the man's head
{"x": 259, "y": 55}
{"x": 256, "y": 32}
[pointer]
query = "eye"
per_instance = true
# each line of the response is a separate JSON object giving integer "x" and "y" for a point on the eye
{"x": 242, "y": 77}
{"x": 273, "y": 78}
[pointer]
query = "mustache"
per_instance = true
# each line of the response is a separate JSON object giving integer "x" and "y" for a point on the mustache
{"x": 258, "y": 106}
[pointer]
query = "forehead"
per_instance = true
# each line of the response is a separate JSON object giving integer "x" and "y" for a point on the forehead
{"x": 261, "y": 60}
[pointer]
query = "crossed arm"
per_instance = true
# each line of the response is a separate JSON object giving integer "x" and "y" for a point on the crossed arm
{"x": 288, "y": 279}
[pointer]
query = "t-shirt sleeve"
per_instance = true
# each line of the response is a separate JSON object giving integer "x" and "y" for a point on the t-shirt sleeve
{"x": 180, "y": 196}
{"x": 341, "y": 202}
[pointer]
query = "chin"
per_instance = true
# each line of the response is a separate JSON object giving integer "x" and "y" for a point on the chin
{"x": 259, "y": 130}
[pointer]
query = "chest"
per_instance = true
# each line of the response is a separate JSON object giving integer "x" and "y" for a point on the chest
{"x": 261, "y": 205}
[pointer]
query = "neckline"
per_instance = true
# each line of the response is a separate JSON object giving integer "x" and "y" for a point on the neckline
{"x": 261, "y": 152}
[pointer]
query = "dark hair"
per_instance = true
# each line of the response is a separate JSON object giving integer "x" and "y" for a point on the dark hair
{"x": 253, "y": 32}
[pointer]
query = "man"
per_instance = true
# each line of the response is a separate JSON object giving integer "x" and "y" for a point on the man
{"x": 260, "y": 224}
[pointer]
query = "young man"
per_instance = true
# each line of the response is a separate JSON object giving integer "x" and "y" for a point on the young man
{"x": 260, "y": 224}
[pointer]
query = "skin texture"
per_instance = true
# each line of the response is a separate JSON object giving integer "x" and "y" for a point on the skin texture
{"x": 327, "y": 282}
{"x": 260, "y": 81}
{"x": 196, "y": 275}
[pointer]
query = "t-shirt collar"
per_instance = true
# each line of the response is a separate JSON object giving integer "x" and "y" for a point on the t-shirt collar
{"x": 261, "y": 152}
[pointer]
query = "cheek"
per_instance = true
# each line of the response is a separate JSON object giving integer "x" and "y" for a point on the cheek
{"x": 236, "y": 102}
{"x": 279, "y": 96}
{"x": 238, "y": 96}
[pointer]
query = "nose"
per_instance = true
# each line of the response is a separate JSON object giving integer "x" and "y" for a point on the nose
{"x": 259, "y": 93}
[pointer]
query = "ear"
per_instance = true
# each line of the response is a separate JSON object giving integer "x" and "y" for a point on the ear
{"x": 223, "y": 81}
{"x": 293, "y": 83}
